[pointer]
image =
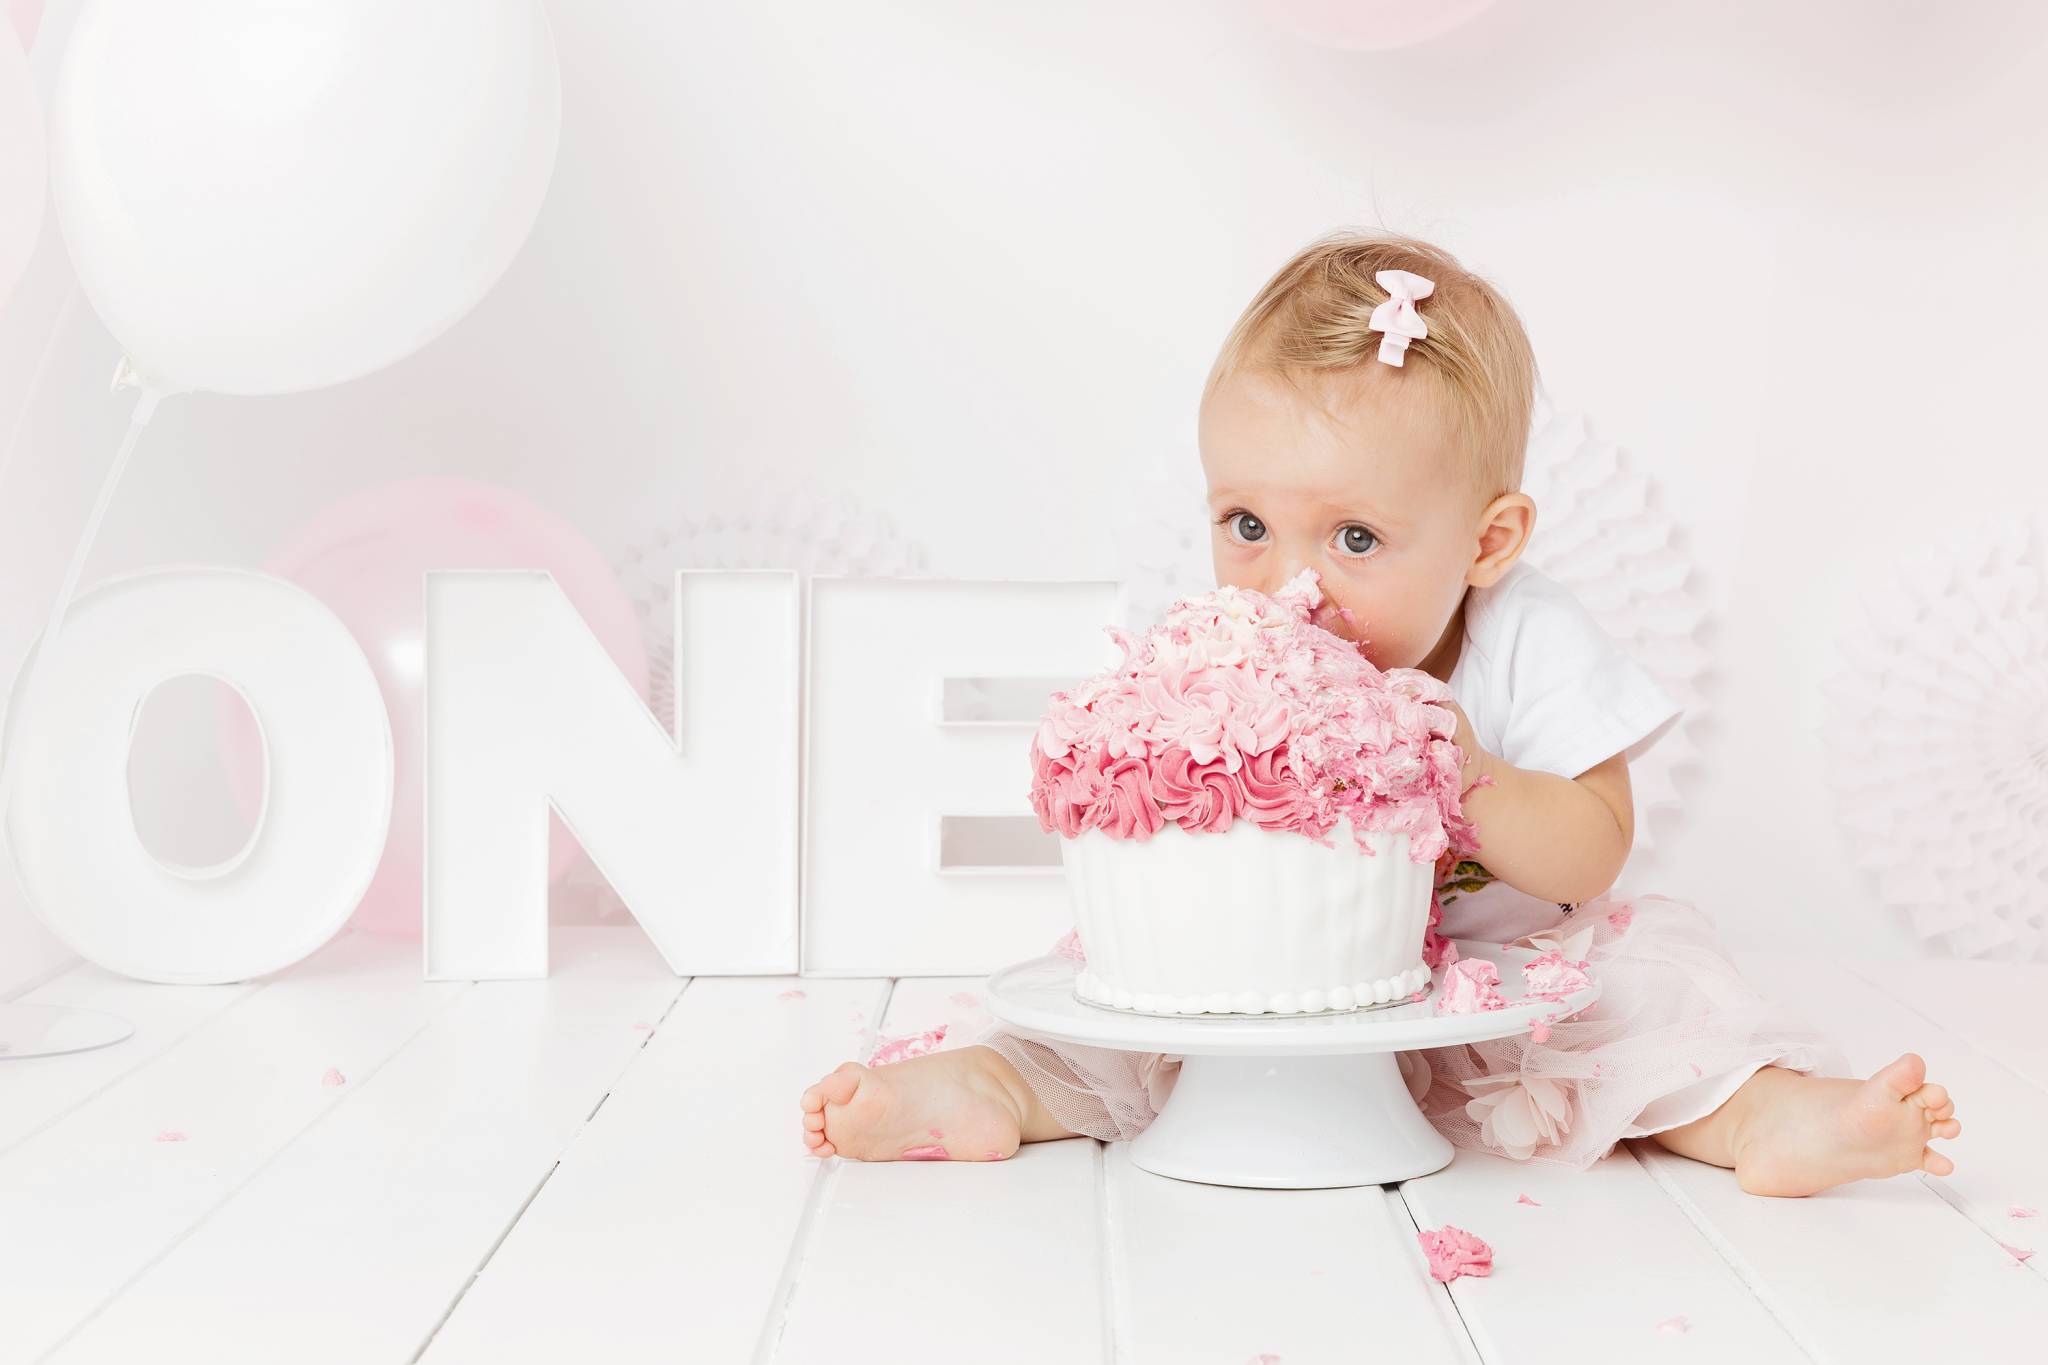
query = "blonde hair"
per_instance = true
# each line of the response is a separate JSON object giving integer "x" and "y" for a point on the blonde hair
{"x": 1312, "y": 316}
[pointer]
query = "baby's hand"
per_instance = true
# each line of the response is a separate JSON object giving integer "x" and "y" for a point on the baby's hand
{"x": 1464, "y": 737}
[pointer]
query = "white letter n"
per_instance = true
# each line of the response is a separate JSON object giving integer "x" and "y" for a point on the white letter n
{"x": 525, "y": 709}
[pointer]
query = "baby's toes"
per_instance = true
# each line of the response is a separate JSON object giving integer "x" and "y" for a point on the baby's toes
{"x": 838, "y": 1087}
{"x": 815, "y": 1122}
{"x": 1948, "y": 1128}
{"x": 1934, "y": 1163}
{"x": 1932, "y": 1097}
{"x": 835, "y": 1087}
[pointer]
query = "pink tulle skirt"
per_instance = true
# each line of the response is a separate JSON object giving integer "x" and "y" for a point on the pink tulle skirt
{"x": 1675, "y": 1032}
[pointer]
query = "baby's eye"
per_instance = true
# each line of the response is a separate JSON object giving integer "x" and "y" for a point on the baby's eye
{"x": 1358, "y": 541}
{"x": 1252, "y": 529}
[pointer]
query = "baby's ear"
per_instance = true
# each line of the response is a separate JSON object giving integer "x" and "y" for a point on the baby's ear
{"x": 1504, "y": 531}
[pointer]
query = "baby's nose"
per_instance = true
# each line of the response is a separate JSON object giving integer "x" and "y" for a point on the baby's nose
{"x": 1292, "y": 565}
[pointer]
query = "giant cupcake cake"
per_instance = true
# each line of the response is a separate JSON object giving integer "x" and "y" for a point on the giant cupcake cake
{"x": 1251, "y": 813}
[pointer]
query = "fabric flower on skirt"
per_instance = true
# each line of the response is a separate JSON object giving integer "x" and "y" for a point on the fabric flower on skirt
{"x": 1517, "y": 1113}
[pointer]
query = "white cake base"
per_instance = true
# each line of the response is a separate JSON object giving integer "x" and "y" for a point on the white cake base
{"x": 1248, "y": 921}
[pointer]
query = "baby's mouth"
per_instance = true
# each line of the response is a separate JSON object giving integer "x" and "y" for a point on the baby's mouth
{"x": 1339, "y": 623}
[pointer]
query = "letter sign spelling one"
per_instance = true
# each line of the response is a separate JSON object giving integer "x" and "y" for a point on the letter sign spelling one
{"x": 700, "y": 835}
{"x": 526, "y": 710}
{"x": 326, "y": 805}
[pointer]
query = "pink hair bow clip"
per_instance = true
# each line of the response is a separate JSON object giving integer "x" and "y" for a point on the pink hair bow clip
{"x": 1396, "y": 320}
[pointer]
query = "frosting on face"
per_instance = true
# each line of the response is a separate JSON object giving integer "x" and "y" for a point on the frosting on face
{"x": 1236, "y": 706}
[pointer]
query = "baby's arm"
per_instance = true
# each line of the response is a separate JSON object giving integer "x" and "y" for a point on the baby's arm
{"x": 1560, "y": 839}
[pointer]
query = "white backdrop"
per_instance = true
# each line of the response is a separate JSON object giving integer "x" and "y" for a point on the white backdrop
{"x": 968, "y": 263}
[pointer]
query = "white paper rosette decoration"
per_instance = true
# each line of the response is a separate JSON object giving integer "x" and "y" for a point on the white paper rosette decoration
{"x": 767, "y": 526}
{"x": 1937, "y": 741}
{"x": 1164, "y": 545}
{"x": 1599, "y": 531}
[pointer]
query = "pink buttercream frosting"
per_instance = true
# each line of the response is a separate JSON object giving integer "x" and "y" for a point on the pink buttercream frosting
{"x": 1237, "y": 706}
{"x": 891, "y": 1050}
{"x": 1452, "y": 1252}
{"x": 1470, "y": 985}
{"x": 1554, "y": 976}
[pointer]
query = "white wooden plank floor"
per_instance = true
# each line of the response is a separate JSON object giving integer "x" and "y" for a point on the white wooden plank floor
{"x": 606, "y": 1166}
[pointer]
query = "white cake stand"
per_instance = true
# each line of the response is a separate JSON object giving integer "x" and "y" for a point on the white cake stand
{"x": 1288, "y": 1102}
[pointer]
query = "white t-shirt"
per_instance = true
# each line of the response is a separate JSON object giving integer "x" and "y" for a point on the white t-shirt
{"x": 1546, "y": 688}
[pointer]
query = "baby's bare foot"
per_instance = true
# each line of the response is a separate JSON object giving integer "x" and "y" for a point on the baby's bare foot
{"x": 944, "y": 1106}
{"x": 1804, "y": 1134}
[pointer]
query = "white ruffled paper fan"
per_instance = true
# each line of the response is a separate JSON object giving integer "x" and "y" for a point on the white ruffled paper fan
{"x": 1937, "y": 742}
{"x": 1601, "y": 531}
{"x": 1164, "y": 548}
{"x": 769, "y": 525}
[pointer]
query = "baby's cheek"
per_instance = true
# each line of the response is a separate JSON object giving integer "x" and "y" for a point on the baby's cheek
{"x": 1386, "y": 653}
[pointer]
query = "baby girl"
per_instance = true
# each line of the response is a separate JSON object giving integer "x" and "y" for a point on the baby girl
{"x": 1366, "y": 418}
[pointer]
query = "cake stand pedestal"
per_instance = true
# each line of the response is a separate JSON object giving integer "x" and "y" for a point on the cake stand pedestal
{"x": 1288, "y": 1102}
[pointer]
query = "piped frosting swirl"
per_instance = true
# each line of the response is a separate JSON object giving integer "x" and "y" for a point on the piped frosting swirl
{"x": 1236, "y": 706}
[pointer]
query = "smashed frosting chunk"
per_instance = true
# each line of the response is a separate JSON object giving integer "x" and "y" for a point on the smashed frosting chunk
{"x": 1471, "y": 985}
{"x": 1452, "y": 1252}
{"x": 891, "y": 1050}
{"x": 1554, "y": 976}
{"x": 1237, "y": 706}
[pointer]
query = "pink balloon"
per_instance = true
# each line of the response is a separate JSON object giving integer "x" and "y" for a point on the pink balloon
{"x": 365, "y": 558}
{"x": 28, "y": 17}
{"x": 1370, "y": 25}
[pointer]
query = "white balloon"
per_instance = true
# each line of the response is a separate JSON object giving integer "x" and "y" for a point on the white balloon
{"x": 265, "y": 196}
